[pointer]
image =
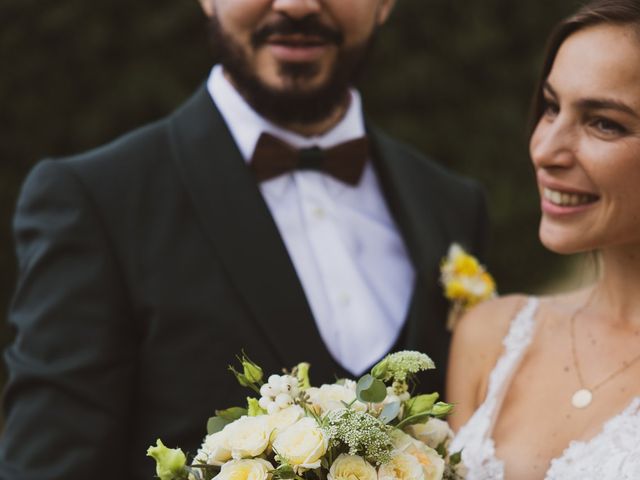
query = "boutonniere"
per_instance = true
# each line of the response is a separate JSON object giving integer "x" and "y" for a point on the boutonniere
{"x": 465, "y": 281}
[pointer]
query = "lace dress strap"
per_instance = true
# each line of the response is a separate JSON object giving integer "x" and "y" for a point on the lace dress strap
{"x": 474, "y": 438}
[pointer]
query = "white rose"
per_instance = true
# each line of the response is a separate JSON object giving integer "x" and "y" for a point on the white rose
{"x": 402, "y": 466}
{"x": 351, "y": 467}
{"x": 247, "y": 469}
{"x": 284, "y": 418}
{"x": 331, "y": 397}
{"x": 433, "y": 432}
{"x": 401, "y": 440}
{"x": 247, "y": 437}
{"x": 302, "y": 444}
{"x": 214, "y": 450}
{"x": 431, "y": 462}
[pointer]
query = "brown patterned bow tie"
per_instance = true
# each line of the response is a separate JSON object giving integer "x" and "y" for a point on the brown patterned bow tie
{"x": 273, "y": 157}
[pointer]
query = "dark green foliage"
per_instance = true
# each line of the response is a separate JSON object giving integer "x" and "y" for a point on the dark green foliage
{"x": 452, "y": 77}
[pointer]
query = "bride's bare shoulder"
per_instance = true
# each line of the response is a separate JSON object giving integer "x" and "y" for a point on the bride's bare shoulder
{"x": 486, "y": 324}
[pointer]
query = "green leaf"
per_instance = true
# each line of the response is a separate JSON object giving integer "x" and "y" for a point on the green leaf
{"x": 284, "y": 472}
{"x": 455, "y": 458}
{"x": 389, "y": 412}
{"x": 441, "y": 409}
{"x": 420, "y": 404}
{"x": 231, "y": 414}
{"x": 381, "y": 369}
{"x": 419, "y": 418}
{"x": 371, "y": 390}
{"x": 215, "y": 424}
{"x": 253, "y": 407}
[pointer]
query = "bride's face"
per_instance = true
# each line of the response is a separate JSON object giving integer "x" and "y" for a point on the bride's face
{"x": 586, "y": 145}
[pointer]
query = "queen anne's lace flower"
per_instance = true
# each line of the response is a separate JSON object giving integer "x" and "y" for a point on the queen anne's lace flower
{"x": 362, "y": 433}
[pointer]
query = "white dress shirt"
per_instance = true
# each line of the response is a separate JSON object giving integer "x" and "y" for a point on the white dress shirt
{"x": 344, "y": 244}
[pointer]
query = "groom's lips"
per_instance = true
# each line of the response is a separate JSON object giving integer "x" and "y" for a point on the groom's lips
{"x": 297, "y": 48}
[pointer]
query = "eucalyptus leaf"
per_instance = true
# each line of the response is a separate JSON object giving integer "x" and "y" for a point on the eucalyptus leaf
{"x": 370, "y": 390}
{"x": 215, "y": 424}
{"x": 389, "y": 412}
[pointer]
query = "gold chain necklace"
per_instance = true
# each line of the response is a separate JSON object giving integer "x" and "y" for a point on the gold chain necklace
{"x": 584, "y": 395}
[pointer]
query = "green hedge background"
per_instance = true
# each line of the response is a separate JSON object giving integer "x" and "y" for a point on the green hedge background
{"x": 452, "y": 77}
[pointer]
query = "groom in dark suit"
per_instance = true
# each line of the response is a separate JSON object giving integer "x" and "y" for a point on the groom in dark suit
{"x": 265, "y": 214}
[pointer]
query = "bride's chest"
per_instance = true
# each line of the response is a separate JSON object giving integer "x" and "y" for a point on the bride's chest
{"x": 537, "y": 424}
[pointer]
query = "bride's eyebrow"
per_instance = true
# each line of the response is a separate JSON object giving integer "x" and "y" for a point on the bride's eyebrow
{"x": 595, "y": 103}
{"x": 606, "y": 104}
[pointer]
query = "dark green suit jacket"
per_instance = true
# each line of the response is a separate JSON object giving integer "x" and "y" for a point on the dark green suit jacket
{"x": 148, "y": 264}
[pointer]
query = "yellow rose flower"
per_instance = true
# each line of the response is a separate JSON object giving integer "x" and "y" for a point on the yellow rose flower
{"x": 465, "y": 264}
{"x": 351, "y": 467}
{"x": 247, "y": 437}
{"x": 402, "y": 466}
{"x": 247, "y": 469}
{"x": 432, "y": 464}
{"x": 214, "y": 450}
{"x": 432, "y": 433}
{"x": 302, "y": 444}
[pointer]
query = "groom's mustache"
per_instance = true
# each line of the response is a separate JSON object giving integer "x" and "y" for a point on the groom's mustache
{"x": 307, "y": 27}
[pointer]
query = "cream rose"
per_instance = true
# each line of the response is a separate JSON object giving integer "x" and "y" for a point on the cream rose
{"x": 284, "y": 418}
{"x": 432, "y": 464}
{"x": 302, "y": 444}
{"x": 247, "y": 469}
{"x": 247, "y": 437}
{"x": 214, "y": 450}
{"x": 333, "y": 397}
{"x": 351, "y": 467}
{"x": 402, "y": 466}
{"x": 433, "y": 433}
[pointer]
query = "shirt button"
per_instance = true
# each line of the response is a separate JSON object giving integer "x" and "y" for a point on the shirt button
{"x": 344, "y": 299}
{"x": 319, "y": 213}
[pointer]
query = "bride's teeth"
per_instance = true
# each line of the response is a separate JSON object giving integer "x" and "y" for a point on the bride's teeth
{"x": 566, "y": 199}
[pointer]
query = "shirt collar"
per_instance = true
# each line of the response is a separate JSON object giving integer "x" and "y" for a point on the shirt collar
{"x": 246, "y": 125}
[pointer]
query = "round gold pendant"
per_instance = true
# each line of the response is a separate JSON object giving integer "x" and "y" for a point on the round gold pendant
{"x": 582, "y": 398}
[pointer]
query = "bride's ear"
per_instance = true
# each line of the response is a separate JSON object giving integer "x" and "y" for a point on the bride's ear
{"x": 207, "y": 7}
{"x": 384, "y": 10}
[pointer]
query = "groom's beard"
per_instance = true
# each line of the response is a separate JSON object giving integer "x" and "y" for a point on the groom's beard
{"x": 292, "y": 104}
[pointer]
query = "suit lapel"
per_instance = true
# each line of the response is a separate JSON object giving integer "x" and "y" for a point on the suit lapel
{"x": 410, "y": 197}
{"x": 242, "y": 231}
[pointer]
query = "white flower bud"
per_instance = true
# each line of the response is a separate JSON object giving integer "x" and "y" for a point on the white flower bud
{"x": 275, "y": 381}
{"x": 283, "y": 400}
{"x": 264, "y": 402}
{"x": 267, "y": 391}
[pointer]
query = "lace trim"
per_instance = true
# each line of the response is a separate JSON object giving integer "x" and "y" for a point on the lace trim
{"x": 474, "y": 437}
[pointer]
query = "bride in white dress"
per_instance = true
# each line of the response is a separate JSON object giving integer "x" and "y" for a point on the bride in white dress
{"x": 549, "y": 388}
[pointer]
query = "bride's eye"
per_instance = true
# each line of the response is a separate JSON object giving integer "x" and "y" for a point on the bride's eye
{"x": 607, "y": 126}
{"x": 550, "y": 107}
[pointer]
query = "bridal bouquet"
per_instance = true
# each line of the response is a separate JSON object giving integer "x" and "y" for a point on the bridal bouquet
{"x": 372, "y": 429}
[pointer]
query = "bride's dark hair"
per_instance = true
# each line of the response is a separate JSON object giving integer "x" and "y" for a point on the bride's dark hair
{"x": 596, "y": 12}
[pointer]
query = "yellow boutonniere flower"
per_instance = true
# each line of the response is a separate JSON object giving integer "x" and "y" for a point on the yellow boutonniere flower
{"x": 466, "y": 282}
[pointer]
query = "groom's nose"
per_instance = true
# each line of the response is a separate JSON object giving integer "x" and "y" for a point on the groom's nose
{"x": 297, "y": 9}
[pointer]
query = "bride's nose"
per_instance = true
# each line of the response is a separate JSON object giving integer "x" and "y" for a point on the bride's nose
{"x": 553, "y": 144}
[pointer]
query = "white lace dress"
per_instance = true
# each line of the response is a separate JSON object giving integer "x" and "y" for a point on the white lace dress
{"x": 613, "y": 454}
